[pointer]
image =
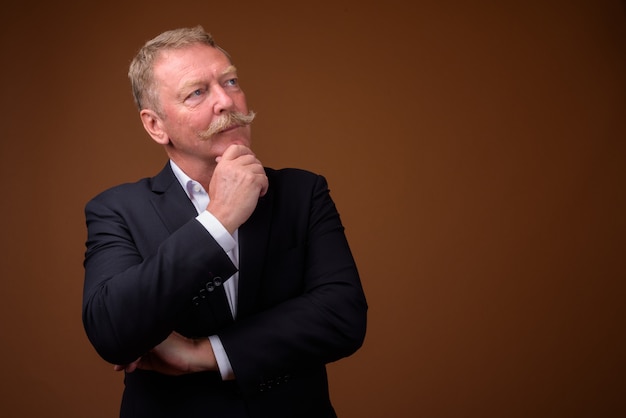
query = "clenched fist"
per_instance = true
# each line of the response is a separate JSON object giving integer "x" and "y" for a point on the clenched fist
{"x": 237, "y": 183}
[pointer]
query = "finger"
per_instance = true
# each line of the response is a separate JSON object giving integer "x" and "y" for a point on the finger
{"x": 235, "y": 150}
{"x": 264, "y": 189}
{"x": 249, "y": 160}
{"x": 127, "y": 367}
{"x": 265, "y": 184}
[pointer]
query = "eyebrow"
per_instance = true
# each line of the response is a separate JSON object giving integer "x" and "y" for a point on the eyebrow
{"x": 189, "y": 84}
{"x": 230, "y": 69}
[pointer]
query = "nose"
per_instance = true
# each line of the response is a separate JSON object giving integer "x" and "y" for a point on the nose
{"x": 223, "y": 101}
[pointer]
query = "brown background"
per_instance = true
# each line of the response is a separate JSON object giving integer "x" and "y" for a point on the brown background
{"x": 476, "y": 151}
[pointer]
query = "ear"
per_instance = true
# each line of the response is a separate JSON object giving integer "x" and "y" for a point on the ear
{"x": 153, "y": 124}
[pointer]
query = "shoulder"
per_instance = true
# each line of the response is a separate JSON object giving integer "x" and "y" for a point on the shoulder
{"x": 296, "y": 188}
{"x": 120, "y": 199}
{"x": 144, "y": 188}
{"x": 124, "y": 190}
{"x": 293, "y": 178}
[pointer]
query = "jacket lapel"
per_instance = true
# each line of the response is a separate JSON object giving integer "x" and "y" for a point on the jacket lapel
{"x": 175, "y": 209}
{"x": 170, "y": 200}
{"x": 253, "y": 245}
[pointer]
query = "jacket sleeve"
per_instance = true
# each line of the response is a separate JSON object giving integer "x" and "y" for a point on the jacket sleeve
{"x": 132, "y": 299}
{"x": 325, "y": 322}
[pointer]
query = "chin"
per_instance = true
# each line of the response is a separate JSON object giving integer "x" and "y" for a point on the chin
{"x": 237, "y": 140}
{"x": 226, "y": 144}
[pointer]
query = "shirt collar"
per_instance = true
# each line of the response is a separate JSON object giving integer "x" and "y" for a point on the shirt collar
{"x": 194, "y": 190}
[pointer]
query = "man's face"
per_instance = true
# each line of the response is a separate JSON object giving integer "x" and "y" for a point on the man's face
{"x": 196, "y": 86}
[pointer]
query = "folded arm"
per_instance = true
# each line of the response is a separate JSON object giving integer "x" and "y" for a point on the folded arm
{"x": 131, "y": 303}
{"x": 324, "y": 322}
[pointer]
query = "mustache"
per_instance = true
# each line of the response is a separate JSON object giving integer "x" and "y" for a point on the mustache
{"x": 227, "y": 121}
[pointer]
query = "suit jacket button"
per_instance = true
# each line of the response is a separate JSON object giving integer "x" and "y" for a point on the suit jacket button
{"x": 217, "y": 281}
{"x": 195, "y": 300}
{"x": 202, "y": 294}
{"x": 210, "y": 287}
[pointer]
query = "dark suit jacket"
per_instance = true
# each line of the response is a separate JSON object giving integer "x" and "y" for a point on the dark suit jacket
{"x": 151, "y": 268}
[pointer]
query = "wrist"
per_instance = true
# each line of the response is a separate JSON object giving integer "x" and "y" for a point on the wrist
{"x": 204, "y": 357}
{"x": 222, "y": 217}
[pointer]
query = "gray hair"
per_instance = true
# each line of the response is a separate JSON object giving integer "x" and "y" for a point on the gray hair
{"x": 141, "y": 72}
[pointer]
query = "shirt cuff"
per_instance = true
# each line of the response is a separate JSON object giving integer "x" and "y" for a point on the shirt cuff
{"x": 226, "y": 371}
{"x": 217, "y": 230}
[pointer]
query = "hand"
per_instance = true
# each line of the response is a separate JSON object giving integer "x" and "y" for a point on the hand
{"x": 237, "y": 183}
{"x": 176, "y": 355}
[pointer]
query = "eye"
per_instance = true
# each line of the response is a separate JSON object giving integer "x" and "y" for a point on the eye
{"x": 195, "y": 95}
{"x": 233, "y": 82}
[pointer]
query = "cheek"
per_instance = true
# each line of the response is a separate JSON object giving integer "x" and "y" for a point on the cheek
{"x": 240, "y": 103}
{"x": 193, "y": 122}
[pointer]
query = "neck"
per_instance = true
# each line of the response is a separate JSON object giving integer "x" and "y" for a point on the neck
{"x": 200, "y": 171}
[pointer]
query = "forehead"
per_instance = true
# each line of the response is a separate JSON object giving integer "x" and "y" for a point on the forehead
{"x": 196, "y": 61}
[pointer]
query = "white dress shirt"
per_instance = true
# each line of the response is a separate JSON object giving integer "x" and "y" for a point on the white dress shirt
{"x": 230, "y": 243}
